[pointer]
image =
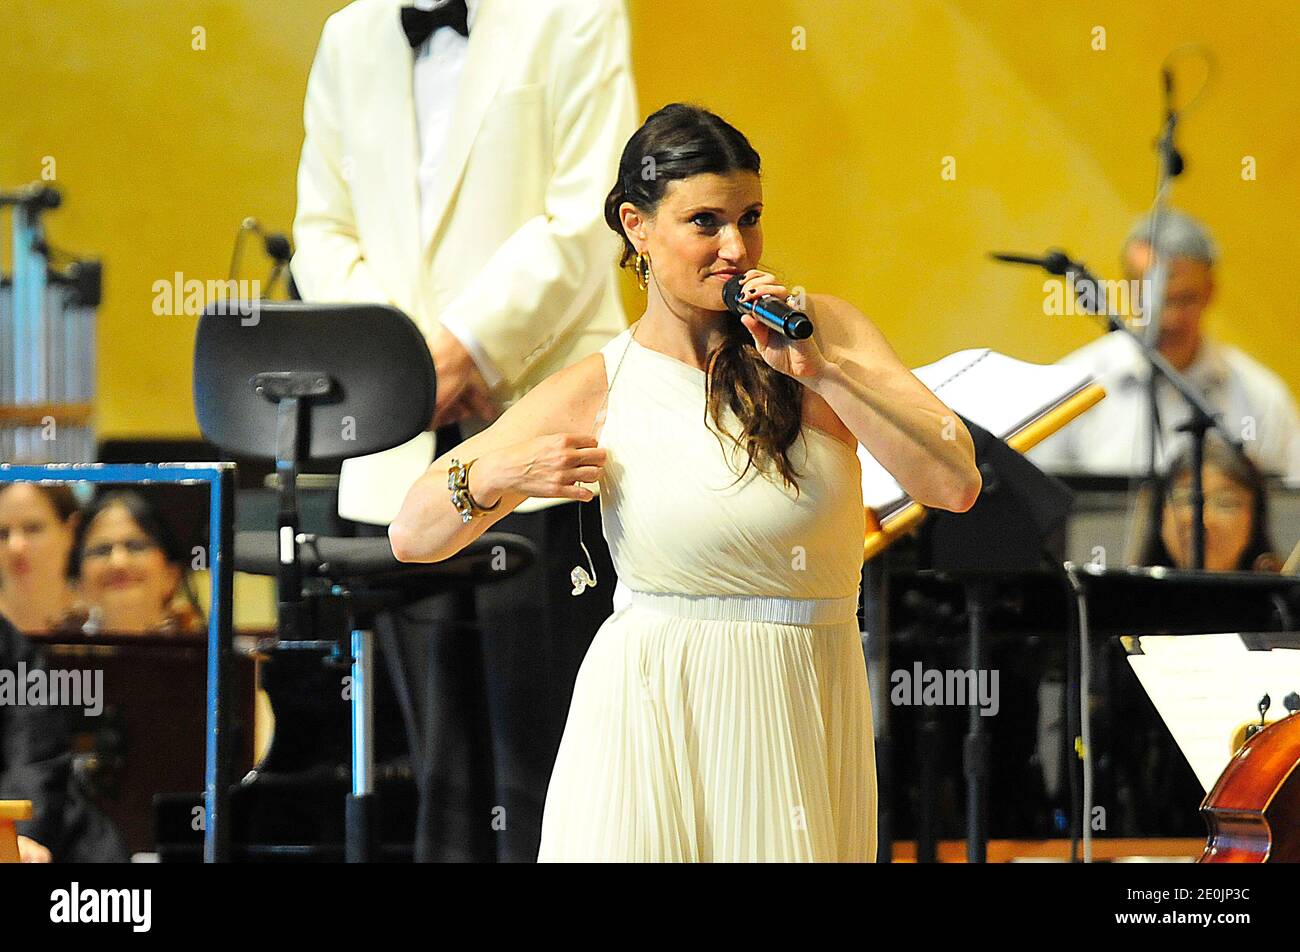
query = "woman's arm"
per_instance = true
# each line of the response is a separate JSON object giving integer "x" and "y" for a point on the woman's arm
{"x": 848, "y": 364}
{"x": 541, "y": 446}
{"x": 909, "y": 430}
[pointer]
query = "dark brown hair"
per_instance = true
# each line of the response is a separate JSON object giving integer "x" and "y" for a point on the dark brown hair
{"x": 62, "y": 500}
{"x": 676, "y": 142}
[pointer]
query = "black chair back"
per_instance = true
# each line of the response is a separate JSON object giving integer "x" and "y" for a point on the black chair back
{"x": 368, "y": 373}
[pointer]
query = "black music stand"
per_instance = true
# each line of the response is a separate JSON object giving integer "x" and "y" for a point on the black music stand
{"x": 1019, "y": 509}
{"x": 1130, "y": 600}
{"x": 301, "y": 383}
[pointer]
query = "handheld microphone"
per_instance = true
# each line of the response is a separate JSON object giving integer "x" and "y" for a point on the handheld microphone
{"x": 770, "y": 310}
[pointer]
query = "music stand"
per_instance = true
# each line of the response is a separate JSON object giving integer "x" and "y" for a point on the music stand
{"x": 1006, "y": 532}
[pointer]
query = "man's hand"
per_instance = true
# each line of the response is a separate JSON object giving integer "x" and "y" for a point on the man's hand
{"x": 472, "y": 405}
{"x": 29, "y": 851}
{"x": 462, "y": 391}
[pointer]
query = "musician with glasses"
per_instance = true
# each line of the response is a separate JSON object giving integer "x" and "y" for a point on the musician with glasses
{"x": 1144, "y": 772}
{"x": 133, "y": 571}
{"x": 1237, "y": 534}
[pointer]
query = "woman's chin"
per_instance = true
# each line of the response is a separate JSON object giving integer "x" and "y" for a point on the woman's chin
{"x": 710, "y": 298}
{"x": 129, "y": 614}
{"x": 131, "y": 622}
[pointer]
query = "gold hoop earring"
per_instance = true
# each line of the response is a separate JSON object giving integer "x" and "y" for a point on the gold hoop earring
{"x": 642, "y": 269}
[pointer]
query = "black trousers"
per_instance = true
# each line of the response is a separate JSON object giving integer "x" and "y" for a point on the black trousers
{"x": 488, "y": 673}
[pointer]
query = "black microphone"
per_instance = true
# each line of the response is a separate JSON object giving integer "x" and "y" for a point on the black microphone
{"x": 1173, "y": 159}
{"x": 1057, "y": 262}
{"x": 277, "y": 246}
{"x": 769, "y": 309}
{"x": 276, "y": 243}
{"x": 1054, "y": 262}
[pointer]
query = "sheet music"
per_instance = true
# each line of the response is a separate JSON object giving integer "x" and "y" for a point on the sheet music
{"x": 1206, "y": 686}
{"x": 997, "y": 392}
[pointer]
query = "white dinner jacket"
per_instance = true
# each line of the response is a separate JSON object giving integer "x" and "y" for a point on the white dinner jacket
{"x": 519, "y": 253}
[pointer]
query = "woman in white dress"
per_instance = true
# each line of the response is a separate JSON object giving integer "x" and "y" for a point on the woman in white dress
{"x": 722, "y": 712}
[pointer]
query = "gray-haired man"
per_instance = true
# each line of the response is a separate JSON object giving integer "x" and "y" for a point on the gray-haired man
{"x": 1114, "y": 437}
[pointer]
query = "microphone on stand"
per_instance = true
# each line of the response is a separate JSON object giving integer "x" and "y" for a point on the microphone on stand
{"x": 1172, "y": 158}
{"x": 1057, "y": 262}
{"x": 1054, "y": 261}
{"x": 276, "y": 245}
{"x": 769, "y": 309}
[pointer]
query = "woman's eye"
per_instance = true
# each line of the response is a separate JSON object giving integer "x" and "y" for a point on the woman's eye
{"x": 704, "y": 220}
{"x": 751, "y": 219}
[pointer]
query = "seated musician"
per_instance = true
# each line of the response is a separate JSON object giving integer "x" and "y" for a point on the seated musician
{"x": 133, "y": 572}
{"x": 1113, "y": 438}
{"x": 1147, "y": 775}
{"x": 37, "y": 527}
{"x": 1236, "y": 515}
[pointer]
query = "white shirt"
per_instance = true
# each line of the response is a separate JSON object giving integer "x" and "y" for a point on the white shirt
{"x": 439, "y": 63}
{"x": 1113, "y": 438}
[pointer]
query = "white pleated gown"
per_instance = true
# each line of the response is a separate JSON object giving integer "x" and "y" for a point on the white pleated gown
{"x": 722, "y": 711}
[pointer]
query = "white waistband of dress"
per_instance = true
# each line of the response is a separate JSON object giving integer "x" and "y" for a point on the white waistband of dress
{"x": 781, "y": 611}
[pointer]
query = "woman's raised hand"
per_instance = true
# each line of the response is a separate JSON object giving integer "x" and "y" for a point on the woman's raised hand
{"x": 801, "y": 359}
{"x": 546, "y": 466}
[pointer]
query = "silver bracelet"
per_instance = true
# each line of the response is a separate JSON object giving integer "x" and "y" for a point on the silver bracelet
{"x": 458, "y": 483}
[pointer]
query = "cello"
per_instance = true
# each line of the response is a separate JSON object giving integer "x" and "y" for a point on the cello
{"x": 1253, "y": 812}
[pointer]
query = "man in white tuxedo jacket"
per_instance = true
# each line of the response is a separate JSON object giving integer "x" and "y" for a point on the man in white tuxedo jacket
{"x": 455, "y": 163}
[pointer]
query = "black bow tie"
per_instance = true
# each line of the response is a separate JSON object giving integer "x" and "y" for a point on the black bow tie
{"x": 419, "y": 24}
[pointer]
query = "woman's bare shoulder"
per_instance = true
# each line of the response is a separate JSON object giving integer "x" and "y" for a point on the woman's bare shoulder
{"x": 587, "y": 379}
{"x": 592, "y": 380}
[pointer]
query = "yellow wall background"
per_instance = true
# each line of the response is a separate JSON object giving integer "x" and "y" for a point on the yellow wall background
{"x": 162, "y": 150}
